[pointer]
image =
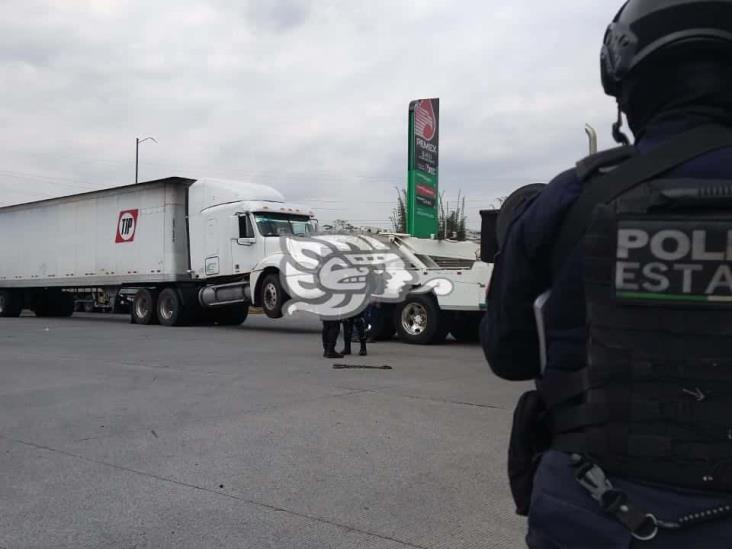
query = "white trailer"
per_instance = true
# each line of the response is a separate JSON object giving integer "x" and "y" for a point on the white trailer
{"x": 188, "y": 248}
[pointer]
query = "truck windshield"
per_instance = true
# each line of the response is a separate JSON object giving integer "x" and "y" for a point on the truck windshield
{"x": 274, "y": 224}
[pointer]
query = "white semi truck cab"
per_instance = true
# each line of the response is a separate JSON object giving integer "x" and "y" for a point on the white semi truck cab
{"x": 234, "y": 226}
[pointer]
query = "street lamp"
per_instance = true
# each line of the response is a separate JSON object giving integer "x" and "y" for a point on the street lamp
{"x": 137, "y": 152}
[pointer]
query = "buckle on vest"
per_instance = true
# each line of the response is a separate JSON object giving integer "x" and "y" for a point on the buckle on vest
{"x": 652, "y": 523}
{"x": 642, "y": 526}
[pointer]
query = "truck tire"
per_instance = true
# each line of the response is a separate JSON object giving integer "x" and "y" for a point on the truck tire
{"x": 10, "y": 304}
{"x": 382, "y": 323}
{"x": 233, "y": 315}
{"x": 170, "y": 308}
{"x": 272, "y": 296}
{"x": 419, "y": 320}
{"x": 144, "y": 307}
{"x": 466, "y": 327}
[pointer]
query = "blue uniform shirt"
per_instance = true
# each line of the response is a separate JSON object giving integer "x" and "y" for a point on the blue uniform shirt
{"x": 562, "y": 513}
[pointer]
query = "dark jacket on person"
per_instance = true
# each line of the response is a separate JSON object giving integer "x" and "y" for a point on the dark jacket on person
{"x": 693, "y": 95}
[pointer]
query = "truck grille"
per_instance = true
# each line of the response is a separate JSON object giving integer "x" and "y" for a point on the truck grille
{"x": 453, "y": 262}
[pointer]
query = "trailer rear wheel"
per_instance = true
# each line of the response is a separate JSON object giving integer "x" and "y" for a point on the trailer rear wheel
{"x": 170, "y": 308}
{"x": 144, "y": 306}
{"x": 10, "y": 304}
{"x": 272, "y": 296}
{"x": 419, "y": 320}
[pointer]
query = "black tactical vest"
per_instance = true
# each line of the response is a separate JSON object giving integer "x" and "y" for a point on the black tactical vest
{"x": 655, "y": 400}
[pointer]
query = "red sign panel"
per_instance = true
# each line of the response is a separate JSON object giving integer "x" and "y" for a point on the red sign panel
{"x": 126, "y": 226}
{"x": 425, "y": 121}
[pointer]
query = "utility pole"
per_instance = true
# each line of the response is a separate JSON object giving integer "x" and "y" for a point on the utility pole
{"x": 137, "y": 154}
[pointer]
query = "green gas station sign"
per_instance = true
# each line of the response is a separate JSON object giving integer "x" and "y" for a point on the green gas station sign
{"x": 422, "y": 190}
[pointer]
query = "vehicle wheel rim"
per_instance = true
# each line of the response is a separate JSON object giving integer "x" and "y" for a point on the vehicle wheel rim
{"x": 167, "y": 307}
{"x": 142, "y": 308}
{"x": 414, "y": 319}
{"x": 270, "y": 296}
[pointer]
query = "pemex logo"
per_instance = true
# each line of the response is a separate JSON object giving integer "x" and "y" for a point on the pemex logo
{"x": 126, "y": 226}
{"x": 425, "y": 123}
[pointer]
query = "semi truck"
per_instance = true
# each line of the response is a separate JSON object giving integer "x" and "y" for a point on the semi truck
{"x": 188, "y": 248}
{"x": 197, "y": 250}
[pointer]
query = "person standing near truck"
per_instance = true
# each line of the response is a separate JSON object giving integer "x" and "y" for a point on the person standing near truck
{"x": 331, "y": 329}
{"x": 626, "y": 442}
{"x": 359, "y": 322}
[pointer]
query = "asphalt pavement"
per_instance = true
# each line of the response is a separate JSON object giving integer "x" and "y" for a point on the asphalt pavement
{"x": 121, "y": 436}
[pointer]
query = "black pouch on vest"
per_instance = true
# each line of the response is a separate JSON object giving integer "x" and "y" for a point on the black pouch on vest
{"x": 530, "y": 437}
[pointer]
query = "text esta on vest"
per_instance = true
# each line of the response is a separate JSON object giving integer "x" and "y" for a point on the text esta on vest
{"x": 675, "y": 260}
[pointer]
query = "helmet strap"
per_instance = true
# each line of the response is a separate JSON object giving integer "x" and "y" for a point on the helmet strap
{"x": 618, "y": 134}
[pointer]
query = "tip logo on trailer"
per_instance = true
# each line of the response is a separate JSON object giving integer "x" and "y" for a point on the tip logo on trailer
{"x": 126, "y": 226}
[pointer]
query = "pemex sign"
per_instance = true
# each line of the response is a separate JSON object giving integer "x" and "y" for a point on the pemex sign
{"x": 422, "y": 190}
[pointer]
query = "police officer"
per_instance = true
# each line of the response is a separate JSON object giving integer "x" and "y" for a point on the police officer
{"x": 359, "y": 322}
{"x": 331, "y": 329}
{"x": 637, "y": 376}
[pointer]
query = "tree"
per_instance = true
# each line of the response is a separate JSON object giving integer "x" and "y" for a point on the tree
{"x": 342, "y": 226}
{"x": 452, "y": 221}
{"x": 399, "y": 213}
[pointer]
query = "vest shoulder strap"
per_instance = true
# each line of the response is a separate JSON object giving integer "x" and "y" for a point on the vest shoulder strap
{"x": 592, "y": 165}
{"x": 606, "y": 187}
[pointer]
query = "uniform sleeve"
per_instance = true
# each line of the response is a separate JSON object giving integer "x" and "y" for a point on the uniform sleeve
{"x": 521, "y": 273}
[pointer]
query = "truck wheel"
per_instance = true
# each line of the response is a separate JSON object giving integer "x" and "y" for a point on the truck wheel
{"x": 466, "y": 327}
{"x": 418, "y": 320}
{"x": 382, "y": 323}
{"x": 10, "y": 304}
{"x": 272, "y": 296}
{"x": 233, "y": 315}
{"x": 144, "y": 306}
{"x": 170, "y": 308}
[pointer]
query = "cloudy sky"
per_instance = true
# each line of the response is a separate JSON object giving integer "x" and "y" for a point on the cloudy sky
{"x": 309, "y": 96}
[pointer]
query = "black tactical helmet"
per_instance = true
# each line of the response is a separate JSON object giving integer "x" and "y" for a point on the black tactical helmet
{"x": 643, "y": 28}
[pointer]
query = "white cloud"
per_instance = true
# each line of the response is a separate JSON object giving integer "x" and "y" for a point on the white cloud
{"x": 309, "y": 96}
